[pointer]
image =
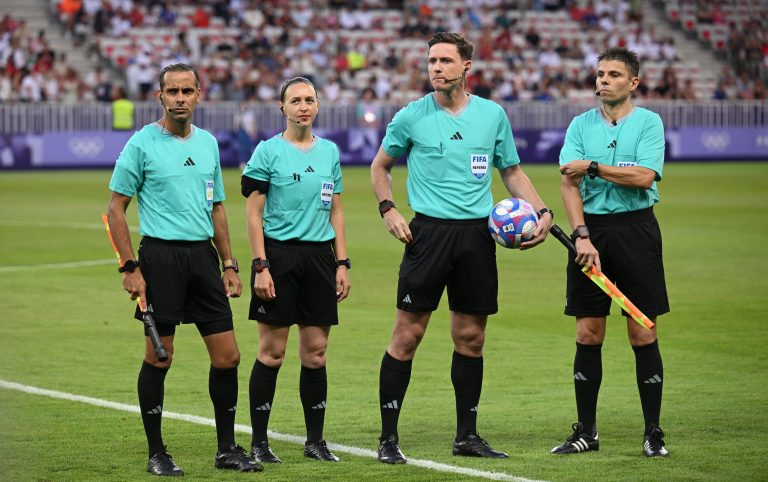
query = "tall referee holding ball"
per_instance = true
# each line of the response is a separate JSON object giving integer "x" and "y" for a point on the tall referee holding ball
{"x": 452, "y": 140}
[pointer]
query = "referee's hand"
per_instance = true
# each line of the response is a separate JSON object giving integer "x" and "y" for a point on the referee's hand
{"x": 134, "y": 284}
{"x": 263, "y": 286}
{"x": 398, "y": 226}
{"x": 232, "y": 284}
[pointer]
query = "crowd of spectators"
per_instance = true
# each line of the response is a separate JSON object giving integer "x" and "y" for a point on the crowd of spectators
{"x": 245, "y": 48}
{"x": 32, "y": 71}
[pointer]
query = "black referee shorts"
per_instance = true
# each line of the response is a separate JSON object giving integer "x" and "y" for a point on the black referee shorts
{"x": 304, "y": 274}
{"x": 459, "y": 254}
{"x": 629, "y": 245}
{"x": 184, "y": 286}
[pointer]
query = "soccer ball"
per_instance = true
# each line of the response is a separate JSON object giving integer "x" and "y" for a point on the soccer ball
{"x": 512, "y": 221}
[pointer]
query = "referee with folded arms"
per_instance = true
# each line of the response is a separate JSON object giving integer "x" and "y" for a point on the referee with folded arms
{"x": 453, "y": 141}
{"x": 173, "y": 169}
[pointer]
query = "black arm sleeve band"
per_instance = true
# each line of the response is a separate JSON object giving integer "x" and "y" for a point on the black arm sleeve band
{"x": 249, "y": 184}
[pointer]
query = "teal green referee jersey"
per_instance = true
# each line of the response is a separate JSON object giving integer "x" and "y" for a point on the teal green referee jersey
{"x": 175, "y": 180}
{"x": 302, "y": 183}
{"x": 450, "y": 155}
{"x": 637, "y": 140}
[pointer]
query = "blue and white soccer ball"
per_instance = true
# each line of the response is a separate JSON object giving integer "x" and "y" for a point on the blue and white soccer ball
{"x": 512, "y": 221}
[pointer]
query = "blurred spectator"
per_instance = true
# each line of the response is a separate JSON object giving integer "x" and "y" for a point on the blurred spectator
{"x": 122, "y": 110}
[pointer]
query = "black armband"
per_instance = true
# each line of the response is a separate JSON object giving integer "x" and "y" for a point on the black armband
{"x": 249, "y": 185}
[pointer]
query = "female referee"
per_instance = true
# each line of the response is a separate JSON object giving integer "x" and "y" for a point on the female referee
{"x": 292, "y": 185}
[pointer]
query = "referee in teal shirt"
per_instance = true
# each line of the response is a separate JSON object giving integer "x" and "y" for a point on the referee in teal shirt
{"x": 173, "y": 169}
{"x": 453, "y": 140}
{"x": 300, "y": 270}
{"x": 610, "y": 163}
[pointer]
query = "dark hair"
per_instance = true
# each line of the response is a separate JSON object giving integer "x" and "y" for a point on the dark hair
{"x": 292, "y": 81}
{"x": 178, "y": 68}
{"x": 622, "y": 55}
{"x": 463, "y": 45}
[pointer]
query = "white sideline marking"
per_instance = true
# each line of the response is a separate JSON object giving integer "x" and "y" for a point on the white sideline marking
{"x": 427, "y": 464}
{"x": 72, "y": 264}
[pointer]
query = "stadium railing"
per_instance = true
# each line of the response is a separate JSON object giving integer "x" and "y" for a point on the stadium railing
{"x": 36, "y": 118}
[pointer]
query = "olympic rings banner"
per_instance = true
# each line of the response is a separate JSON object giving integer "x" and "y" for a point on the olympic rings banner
{"x": 98, "y": 149}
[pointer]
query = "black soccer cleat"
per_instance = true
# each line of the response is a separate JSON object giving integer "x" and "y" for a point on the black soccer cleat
{"x": 389, "y": 451}
{"x": 235, "y": 458}
{"x": 579, "y": 441}
{"x": 319, "y": 451}
{"x": 262, "y": 453}
{"x": 475, "y": 446}
{"x": 653, "y": 444}
{"x": 161, "y": 463}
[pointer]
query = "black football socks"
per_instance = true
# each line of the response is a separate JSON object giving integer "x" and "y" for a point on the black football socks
{"x": 313, "y": 388}
{"x": 650, "y": 376}
{"x": 467, "y": 378}
{"x": 151, "y": 390}
{"x": 261, "y": 391}
{"x": 587, "y": 376}
{"x": 222, "y": 387}
{"x": 393, "y": 383}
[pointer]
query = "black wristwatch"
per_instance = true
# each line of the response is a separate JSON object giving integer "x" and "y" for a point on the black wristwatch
{"x": 128, "y": 267}
{"x": 233, "y": 266}
{"x": 260, "y": 264}
{"x": 592, "y": 169}
{"x": 581, "y": 231}
{"x": 541, "y": 212}
{"x": 385, "y": 206}
{"x": 344, "y": 262}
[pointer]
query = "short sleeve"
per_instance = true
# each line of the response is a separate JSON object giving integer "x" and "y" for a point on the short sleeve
{"x": 573, "y": 146}
{"x": 128, "y": 175}
{"x": 218, "y": 183}
{"x": 397, "y": 138}
{"x": 338, "y": 185}
{"x": 650, "y": 147}
{"x": 258, "y": 165}
{"x": 505, "y": 153}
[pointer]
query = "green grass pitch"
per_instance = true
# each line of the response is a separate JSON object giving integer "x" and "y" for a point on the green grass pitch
{"x": 70, "y": 329}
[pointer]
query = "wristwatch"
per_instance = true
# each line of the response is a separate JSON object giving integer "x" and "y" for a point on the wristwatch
{"x": 541, "y": 212}
{"x": 344, "y": 262}
{"x": 233, "y": 265}
{"x": 128, "y": 267}
{"x": 260, "y": 264}
{"x": 385, "y": 206}
{"x": 581, "y": 231}
{"x": 592, "y": 169}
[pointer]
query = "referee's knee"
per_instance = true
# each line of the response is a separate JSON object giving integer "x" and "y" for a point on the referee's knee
{"x": 226, "y": 360}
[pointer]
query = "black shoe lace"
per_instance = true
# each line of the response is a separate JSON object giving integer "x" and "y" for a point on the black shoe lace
{"x": 576, "y": 432}
{"x": 656, "y": 437}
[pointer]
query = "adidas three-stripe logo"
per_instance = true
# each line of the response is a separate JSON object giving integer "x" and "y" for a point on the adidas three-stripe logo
{"x": 612, "y": 145}
{"x": 580, "y": 445}
{"x": 392, "y": 404}
{"x": 407, "y": 299}
{"x": 654, "y": 379}
{"x": 580, "y": 376}
{"x": 156, "y": 411}
{"x": 473, "y": 409}
{"x": 189, "y": 162}
{"x": 264, "y": 408}
{"x": 457, "y": 137}
{"x": 233, "y": 409}
{"x": 261, "y": 309}
{"x": 309, "y": 169}
{"x": 319, "y": 406}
